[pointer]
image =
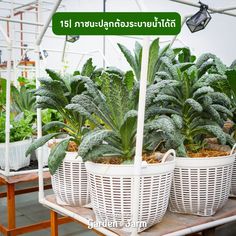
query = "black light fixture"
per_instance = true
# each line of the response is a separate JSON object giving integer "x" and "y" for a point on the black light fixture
{"x": 72, "y": 38}
{"x": 199, "y": 20}
{"x": 45, "y": 54}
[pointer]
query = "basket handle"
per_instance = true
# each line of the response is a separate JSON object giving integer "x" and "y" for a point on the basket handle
{"x": 233, "y": 149}
{"x": 171, "y": 151}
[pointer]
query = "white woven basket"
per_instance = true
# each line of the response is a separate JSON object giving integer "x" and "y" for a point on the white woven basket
{"x": 70, "y": 183}
{"x": 111, "y": 189}
{"x": 17, "y": 158}
{"x": 201, "y": 186}
{"x": 233, "y": 182}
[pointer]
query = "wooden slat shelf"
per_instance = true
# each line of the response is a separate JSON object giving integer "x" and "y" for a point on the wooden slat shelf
{"x": 10, "y": 183}
{"x": 172, "y": 222}
{"x": 27, "y": 63}
{"x": 29, "y": 177}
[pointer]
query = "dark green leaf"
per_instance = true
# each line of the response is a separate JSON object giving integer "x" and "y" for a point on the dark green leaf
{"x": 57, "y": 155}
{"x": 129, "y": 80}
{"x": 88, "y": 68}
{"x": 54, "y": 75}
{"x": 40, "y": 142}
{"x": 55, "y": 124}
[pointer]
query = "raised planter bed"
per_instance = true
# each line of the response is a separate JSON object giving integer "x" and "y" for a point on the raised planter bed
{"x": 17, "y": 158}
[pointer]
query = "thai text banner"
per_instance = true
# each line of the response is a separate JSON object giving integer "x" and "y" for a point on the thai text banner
{"x": 116, "y": 23}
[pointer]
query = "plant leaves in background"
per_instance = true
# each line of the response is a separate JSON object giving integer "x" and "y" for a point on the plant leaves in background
{"x": 231, "y": 76}
{"x": 88, "y": 68}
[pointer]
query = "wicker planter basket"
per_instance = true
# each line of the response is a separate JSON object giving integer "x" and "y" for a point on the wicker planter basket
{"x": 201, "y": 186}
{"x": 17, "y": 158}
{"x": 111, "y": 189}
{"x": 233, "y": 182}
{"x": 70, "y": 183}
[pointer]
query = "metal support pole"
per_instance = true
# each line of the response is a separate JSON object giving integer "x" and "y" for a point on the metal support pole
{"x": 39, "y": 118}
{"x": 8, "y": 99}
{"x": 141, "y": 5}
{"x": 34, "y": 33}
{"x": 104, "y": 38}
{"x": 46, "y": 25}
{"x": 139, "y": 138}
{"x": 39, "y": 126}
{"x": 39, "y": 113}
{"x": 140, "y": 128}
{"x": 186, "y": 17}
{"x": 25, "y": 5}
{"x": 21, "y": 21}
{"x": 63, "y": 52}
{"x": 12, "y": 36}
{"x": 8, "y": 108}
{"x": 213, "y": 10}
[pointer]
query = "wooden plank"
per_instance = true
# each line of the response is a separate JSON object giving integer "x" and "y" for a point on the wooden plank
{"x": 86, "y": 227}
{"x": 171, "y": 222}
{"x": 54, "y": 223}
{"x": 38, "y": 226}
{"x": 10, "y": 182}
{"x": 2, "y": 182}
{"x": 29, "y": 177}
{"x": 26, "y": 190}
{"x": 11, "y": 210}
{"x": 3, "y": 229}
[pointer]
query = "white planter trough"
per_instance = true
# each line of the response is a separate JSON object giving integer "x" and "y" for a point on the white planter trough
{"x": 201, "y": 186}
{"x": 46, "y": 150}
{"x": 70, "y": 183}
{"x": 112, "y": 189}
{"x": 45, "y": 154}
{"x": 17, "y": 158}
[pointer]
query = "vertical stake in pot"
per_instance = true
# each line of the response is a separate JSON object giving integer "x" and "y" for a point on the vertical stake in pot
{"x": 8, "y": 99}
{"x": 39, "y": 118}
{"x": 139, "y": 138}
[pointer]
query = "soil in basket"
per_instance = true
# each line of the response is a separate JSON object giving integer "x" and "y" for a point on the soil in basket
{"x": 149, "y": 158}
{"x": 72, "y": 146}
{"x": 208, "y": 153}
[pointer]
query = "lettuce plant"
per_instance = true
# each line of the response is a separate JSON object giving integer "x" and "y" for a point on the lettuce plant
{"x": 20, "y": 129}
{"x": 3, "y": 94}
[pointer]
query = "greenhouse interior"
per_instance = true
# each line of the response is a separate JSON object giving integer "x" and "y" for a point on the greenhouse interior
{"x": 117, "y": 118}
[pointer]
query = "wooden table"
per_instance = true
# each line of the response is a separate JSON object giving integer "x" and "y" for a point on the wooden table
{"x": 172, "y": 222}
{"x": 11, "y": 192}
